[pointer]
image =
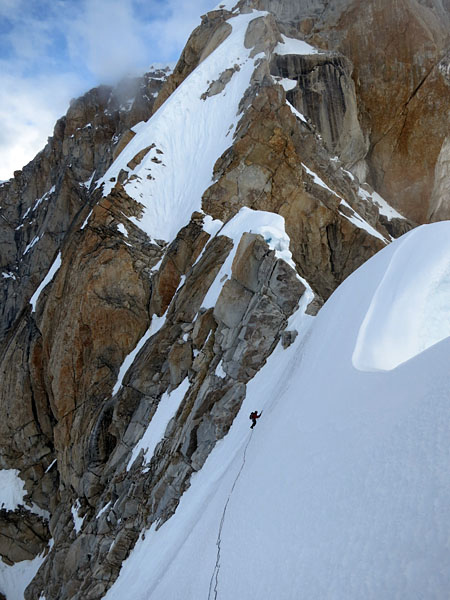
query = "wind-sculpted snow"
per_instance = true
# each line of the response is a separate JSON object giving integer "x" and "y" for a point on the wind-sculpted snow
{"x": 410, "y": 310}
{"x": 185, "y": 137}
{"x": 344, "y": 493}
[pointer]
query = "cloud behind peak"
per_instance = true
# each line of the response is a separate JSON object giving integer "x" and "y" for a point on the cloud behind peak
{"x": 53, "y": 50}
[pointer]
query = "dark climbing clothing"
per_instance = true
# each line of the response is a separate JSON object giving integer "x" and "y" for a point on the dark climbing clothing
{"x": 253, "y": 416}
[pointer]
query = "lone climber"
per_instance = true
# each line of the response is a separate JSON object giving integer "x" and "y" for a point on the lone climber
{"x": 253, "y": 416}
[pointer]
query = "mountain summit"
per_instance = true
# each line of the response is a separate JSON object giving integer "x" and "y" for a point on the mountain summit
{"x": 190, "y": 247}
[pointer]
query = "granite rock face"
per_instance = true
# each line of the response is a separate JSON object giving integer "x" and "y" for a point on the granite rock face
{"x": 267, "y": 169}
{"x": 41, "y": 203}
{"x": 401, "y": 83}
{"x": 325, "y": 94}
{"x": 119, "y": 322}
{"x": 23, "y": 535}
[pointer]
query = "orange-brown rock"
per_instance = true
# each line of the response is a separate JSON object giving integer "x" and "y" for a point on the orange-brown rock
{"x": 94, "y": 314}
{"x": 396, "y": 49}
{"x": 180, "y": 255}
{"x": 399, "y": 52}
{"x": 263, "y": 170}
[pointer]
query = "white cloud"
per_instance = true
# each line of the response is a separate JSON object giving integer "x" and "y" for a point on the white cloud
{"x": 171, "y": 32}
{"x": 106, "y": 38}
{"x": 111, "y": 38}
{"x": 29, "y": 109}
{"x": 60, "y": 49}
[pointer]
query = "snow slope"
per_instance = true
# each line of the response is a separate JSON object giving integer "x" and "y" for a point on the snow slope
{"x": 12, "y": 489}
{"x": 14, "y": 580}
{"x": 185, "y": 138}
{"x": 341, "y": 492}
{"x": 410, "y": 310}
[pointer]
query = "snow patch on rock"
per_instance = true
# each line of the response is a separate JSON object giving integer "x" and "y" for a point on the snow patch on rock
{"x": 77, "y": 521}
{"x": 167, "y": 407}
{"x": 51, "y": 273}
{"x": 270, "y": 225}
{"x": 384, "y": 208}
{"x": 12, "y": 489}
{"x": 294, "y": 46}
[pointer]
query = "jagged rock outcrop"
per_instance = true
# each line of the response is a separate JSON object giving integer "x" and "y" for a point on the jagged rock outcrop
{"x": 40, "y": 203}
{"x": 121, "y": 322}
{"x": 23, "y": 535}
{"x": 264, "y": 170}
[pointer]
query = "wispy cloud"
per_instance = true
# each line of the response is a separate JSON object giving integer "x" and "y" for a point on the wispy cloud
{"x": 53, "y": 50}
{"x": 28, "y": 111}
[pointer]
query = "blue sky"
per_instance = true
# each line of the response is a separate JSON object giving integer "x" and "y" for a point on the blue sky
{"x": 54, "y": 50}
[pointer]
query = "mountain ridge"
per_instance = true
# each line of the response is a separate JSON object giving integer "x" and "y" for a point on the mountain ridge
{"x": 151, "y": 272}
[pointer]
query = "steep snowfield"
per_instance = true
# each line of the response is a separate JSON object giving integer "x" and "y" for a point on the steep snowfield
{"x": 410, "y": 310}
{"x": 188, "y": 138}
{"x": 341, "y": 492}
{"x": 14, "y": 580}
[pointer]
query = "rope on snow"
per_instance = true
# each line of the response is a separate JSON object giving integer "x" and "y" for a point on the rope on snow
{"x": 215, "y": 575}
